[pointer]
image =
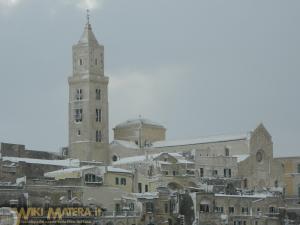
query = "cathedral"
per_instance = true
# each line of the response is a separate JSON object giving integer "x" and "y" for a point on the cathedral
{"x": 89, "y": 130}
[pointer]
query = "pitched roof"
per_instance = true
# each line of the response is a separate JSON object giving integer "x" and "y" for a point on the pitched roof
{"x": 201, "y": 140}
{"x": 88, "y": 36}
{"x": 141, "y": 158}
{"x": 63, "y": 163}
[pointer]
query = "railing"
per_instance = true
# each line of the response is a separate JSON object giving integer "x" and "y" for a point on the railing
{"x": 272, "y": 214}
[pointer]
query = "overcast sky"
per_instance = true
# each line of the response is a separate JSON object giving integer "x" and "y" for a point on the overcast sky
{"x": 197, "y": 67}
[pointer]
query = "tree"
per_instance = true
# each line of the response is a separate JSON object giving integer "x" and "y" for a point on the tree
{"x": 186, "y": 208}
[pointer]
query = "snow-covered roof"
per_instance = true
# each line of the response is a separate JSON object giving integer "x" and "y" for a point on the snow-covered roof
{"x": 134, "y": 159}
{"x": 68, "y": 173}
{"x": 147, "y": 195}
{"x": 255, "y": 195}
{"x": 141, "y": 158}
{"x": 77, "y": 172}
{"x": 139, "y": 121}
{"x": 241, "y": 158}
{"x": 63, "y": 163}
{"x": 201, "y": 140}
{"x": 180, "y": 159}
{"x": 126, "y": 144}
{"x": 117, "y": 170}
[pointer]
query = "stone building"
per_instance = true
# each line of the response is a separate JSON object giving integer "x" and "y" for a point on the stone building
{"x": 291, "y": 177}
{"x": 247, "y": 156}
{"x": 160, "y": 170}
{"x": 100, "y": 185}
{"x": 17, "y": 150}
{"x": 259, "y": 170}
{"x": 255, "y": 209}
{"x": 12, "y": 168}
{"x": 159, "y": 207}
{"x": 88, "y": 100}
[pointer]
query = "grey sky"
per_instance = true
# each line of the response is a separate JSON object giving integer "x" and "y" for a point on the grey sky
{"x": 197, "y": 67}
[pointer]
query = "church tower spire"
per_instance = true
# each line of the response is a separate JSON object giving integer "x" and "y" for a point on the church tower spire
{"x": 88, "y": 100}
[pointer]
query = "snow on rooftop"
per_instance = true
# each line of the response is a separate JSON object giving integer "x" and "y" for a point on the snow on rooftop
{"x": 241, "y": 158}
{"x": 201, "y": 140}
{"x": 67, "y": 171}
{"x": 117, "y": 170}
{"x": 255, "y": 195}
{"x": 134, "y": 159}
{"x": 147, "y": 195}
{"x": 63, "y": 163}
{"x": 126, "y": 144}
{"x": 180, "y": 158}
{"x": 139, "y": 121}
{"x": 142, "y": 158}
{"x": 77, "y": 172}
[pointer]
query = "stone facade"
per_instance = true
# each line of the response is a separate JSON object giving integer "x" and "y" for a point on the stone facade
{"x": 237, "y": 209}
{"x": 291, "y": 176}
{"x": 260, "y": 170}
{"x": 88, "y": 101}
{"x": 16, "y": 150}
{"x": 217, "y": 166}
{"x": 159, "y": 207}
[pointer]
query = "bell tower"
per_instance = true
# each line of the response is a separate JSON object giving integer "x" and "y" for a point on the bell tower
{"x": 88, "y": 100}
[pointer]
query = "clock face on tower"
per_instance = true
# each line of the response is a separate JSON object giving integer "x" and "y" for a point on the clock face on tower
{"x": 259, "y": 156}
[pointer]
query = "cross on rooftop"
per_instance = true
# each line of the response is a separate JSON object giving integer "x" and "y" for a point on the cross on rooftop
{"x": 88, "y": 16}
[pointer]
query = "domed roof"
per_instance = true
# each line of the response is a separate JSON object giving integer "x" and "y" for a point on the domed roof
{"x": 139, "y": 121}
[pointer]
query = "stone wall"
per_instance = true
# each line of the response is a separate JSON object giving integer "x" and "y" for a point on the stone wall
{"x": 17, "y": 150}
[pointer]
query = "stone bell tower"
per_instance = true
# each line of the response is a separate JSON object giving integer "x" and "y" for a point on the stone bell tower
{"x": 88, "y": 100}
